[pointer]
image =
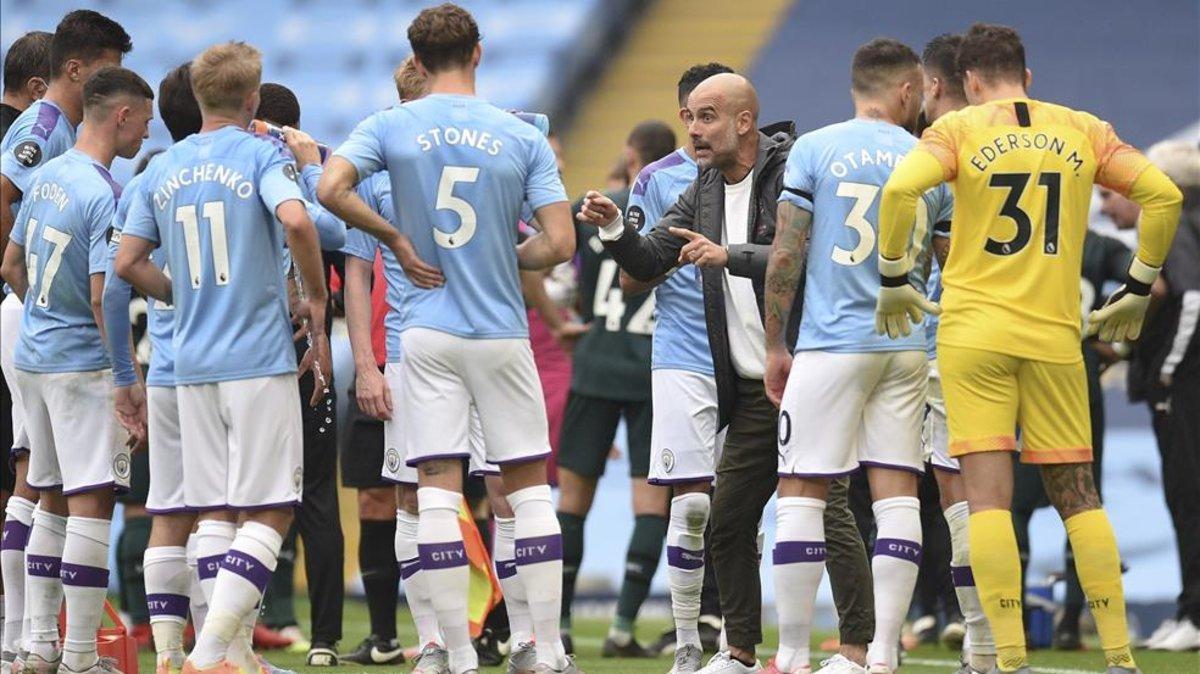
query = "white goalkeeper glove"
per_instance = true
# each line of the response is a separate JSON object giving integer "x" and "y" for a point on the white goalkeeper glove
{"x": 1120, "y": 319}
{"x": 899, "y": 305}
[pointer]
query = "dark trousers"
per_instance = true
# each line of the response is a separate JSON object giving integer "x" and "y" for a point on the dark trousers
{"x": 1177, "y": 429}
{"x": 317, "y": 518}
{"x": 746, "y": 479}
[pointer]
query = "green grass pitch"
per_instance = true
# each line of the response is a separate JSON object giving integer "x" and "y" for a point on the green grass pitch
{"x": 589, "y": 634}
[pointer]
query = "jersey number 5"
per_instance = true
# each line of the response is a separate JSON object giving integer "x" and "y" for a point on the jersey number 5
{"x": 447, "y": 201}
{"x": 1016, "y": 183}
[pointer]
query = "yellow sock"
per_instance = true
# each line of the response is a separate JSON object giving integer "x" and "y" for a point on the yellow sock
{"x": 996, "y": 565}
{"x": 1099, "y": 567}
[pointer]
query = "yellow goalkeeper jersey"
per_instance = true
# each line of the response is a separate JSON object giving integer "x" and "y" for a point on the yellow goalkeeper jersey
{"x": 1022, "y": 172}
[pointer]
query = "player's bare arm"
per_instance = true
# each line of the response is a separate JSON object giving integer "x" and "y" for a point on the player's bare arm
{"x": 336, "y": 192}
{"x": 306, "y": 253}
{"x": 13, "y": 268}
{"x": 134, "y": 265}
{"x": 9, "y": 195}
{"x": 941, "y": 250}
{"x": 554, "y": 244}
{"x": 96, "y": 290}
{"x": 566, "y": 332}
{"x": 370, "y": 388}
{"x": 785, "y": 268}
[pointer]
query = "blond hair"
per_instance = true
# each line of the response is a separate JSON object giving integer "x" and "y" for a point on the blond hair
{"x": 224, "y": 74}
{"x": 410, "y": 83}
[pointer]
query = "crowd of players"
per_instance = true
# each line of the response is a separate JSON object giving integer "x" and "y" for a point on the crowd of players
{"x": 778, "y": 361}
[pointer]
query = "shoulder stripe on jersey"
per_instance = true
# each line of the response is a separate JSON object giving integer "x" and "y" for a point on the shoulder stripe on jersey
{"x": 47, "y": 119}
{"x": 1022, "y": 110}
{"x": 800, "y": 193}
{"x": 116, "y": 187}
{"x": 639, "y": 186}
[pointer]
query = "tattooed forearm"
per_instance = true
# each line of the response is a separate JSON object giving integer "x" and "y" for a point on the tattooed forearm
{"x": 1071, "y": 487}
{"x": 941, "y": 250}
{"x": 784, "y": 269}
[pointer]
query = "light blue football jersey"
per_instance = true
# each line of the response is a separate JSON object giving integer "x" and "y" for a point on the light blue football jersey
{"x": 376, "y": 191}
{"x": 933, "y": 291}
{"x": 40, "y": 133}
{"x": 210, "y": 202}
{"x": 837, "y": 173}
{"x": 160, "y": 316}
{"x": 63, "y": 224}
{"x": 461, "y": 170}
{"x": 680, "y": 333}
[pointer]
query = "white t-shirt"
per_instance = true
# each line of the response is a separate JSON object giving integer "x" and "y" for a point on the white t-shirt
{"x": 747, "y": 342}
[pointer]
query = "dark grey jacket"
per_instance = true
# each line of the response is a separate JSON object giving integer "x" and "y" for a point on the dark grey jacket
{"x": 701, "y": 207}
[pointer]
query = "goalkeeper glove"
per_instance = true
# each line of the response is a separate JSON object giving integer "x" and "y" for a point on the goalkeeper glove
{"x": 899, "y": 302}
{"x": 1121, "y": 317}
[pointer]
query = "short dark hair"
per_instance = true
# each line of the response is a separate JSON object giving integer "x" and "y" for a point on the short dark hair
{"x": 83, "y": 34}
{"x": 652, "y": 140}
{"x": 278, "y": 105}
{"x": 941, "y": 57}
{"x": 994, "y": 52}
{"x": 28, "y": 57}
{"x": 692, "y": 77}
{"x": 878, "y": 61}
{"x": 177, "y": 104}
{"x": 110, "y": 82}
{"x": 443, "y": 37}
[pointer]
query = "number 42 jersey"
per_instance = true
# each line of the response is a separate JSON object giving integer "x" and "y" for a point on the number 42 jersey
{"x": 837, "y": 173}
{"x": 210, "y": 202}
{"x": 461, "y": 170}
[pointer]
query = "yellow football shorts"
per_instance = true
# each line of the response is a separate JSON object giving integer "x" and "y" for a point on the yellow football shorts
{"x": 989, "y": 395}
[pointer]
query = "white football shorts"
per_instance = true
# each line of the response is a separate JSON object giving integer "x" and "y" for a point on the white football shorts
{"x": 845, "y": 410}
{"x": 243, "y": 443}
{"x": 446, "y": 373}
{"x": 395, "y": 456}
{"x": 73, "y": 431}
{"x": 685, "y": 443}
{"x": 11, "y": 311}
{"x": 935, "y": 435}
{"x": 166, "y": 452}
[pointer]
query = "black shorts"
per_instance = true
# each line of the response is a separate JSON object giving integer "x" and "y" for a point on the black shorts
{"x": 362, "y": 449}
{"x": 589, "y": 428}
{"x": 8, "y": 476}
{"x": 139, "y": 479}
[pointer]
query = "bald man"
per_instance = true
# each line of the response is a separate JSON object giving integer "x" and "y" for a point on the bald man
{"x": 724, "y": 224}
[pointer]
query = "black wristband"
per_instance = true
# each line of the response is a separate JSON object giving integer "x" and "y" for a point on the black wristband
{"x": 893, "y": 281}
{"x": 1136, "y": 287}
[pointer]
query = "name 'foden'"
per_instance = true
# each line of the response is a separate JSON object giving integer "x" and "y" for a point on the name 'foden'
{"x": 1003, "y": 144}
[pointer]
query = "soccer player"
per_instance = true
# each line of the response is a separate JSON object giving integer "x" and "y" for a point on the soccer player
{"x": 461, "y": 170}
{"x": 1008, "y": 342}
{"x": 26, "y": 71}
{"x": 943, "y": 93}
{"x": 852, "y": 398}
{"x": 610, "y": 381}
{"x": 168, "y": 576}
{"x": 234, "y": 367}
{"x": 56, "y": 262}
{"x": 83, "y": 42}
{"x": 684, "y": 431}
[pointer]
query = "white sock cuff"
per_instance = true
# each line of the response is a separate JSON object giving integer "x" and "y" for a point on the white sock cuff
{"x": 505, "y": 526}
{"x": 261, "y": 534}
{"x": 165, "y": 553}
{"x": 896, "y": 504}
{"x": 434, "y": 498}
{"x": 798, "y": 503}
{"x": 406, "y": 525}
{"x": 191, "y": 550}
{"x": 20, "y": 509}
{"x": 540, "y": 492}
{"x": 48, "y": 520}
{"x": 958, "y": 511}
{"x": 94, "y": 529}
{"x": 215, "y": 529}
{"x": 691, "y": 511}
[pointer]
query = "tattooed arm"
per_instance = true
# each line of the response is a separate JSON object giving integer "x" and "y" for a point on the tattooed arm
{"x": 784, "y": 271}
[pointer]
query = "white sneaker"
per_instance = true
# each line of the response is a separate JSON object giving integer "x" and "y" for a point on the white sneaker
{"x": 1164, "y": 630}
{"x": 840, "y": 664}
{"x": 724, "y": 663}
{"x": 1186, "y": 637}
